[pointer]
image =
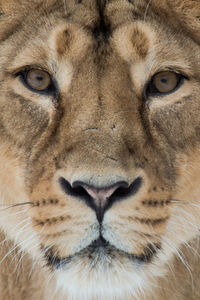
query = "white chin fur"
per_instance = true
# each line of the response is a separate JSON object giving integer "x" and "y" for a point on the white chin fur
{"x": 80, "y": 281}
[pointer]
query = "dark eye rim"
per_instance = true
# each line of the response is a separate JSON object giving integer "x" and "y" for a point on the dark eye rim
{"x": 52, "y": 88}
{"x": 147, "y": 93}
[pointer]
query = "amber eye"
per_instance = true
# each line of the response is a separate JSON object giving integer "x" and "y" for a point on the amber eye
{"x": 37, "y": 80}
{"x": 164, "y": 82}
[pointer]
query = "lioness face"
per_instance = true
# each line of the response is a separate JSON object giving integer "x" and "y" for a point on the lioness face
{"x": 100, "y": 131}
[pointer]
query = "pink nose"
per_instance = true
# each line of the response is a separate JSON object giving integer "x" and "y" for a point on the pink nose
{"x": 101, "y": 195}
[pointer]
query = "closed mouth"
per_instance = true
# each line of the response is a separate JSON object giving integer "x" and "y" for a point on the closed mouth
{"x": 94, "y": 252}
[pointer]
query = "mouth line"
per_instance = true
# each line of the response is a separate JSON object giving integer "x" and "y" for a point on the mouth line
{"x": 93, "y": 250}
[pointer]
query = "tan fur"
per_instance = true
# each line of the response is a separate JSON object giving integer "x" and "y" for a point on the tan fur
{"x": 99, "y": 129}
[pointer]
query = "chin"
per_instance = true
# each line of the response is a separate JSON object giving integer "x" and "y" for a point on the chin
{"x": 103, "y": 279}
{"x": 101, "y": 271}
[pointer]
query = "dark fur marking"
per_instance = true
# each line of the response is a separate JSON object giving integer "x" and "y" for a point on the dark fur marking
{"x": 53, "y": 201}
{"x": 155, "y": 203}
{"x": 102, "y": 28}
{"x": 52, "y": 221}
{"x": 149, "y": 252}
{"x": 56, "y": 234}
{"x": 47, "y": 202}
{"x": 16, "y": 27}
{"x": 91, "y": 128}
{"x": 140, "y": 42}
{"x": 113, "y": 127}
{"x": 152, "y": 222}
{"x": 111, "y": 158}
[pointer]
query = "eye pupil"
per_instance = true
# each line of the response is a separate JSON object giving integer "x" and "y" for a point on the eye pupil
{"x": 39, "y": 77}
{"x": 164, "y": 80}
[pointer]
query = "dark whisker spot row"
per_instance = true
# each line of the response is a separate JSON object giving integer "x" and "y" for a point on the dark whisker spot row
{"x": 44, "y": 202}
{"x": 156, "y": 203}
{"x": 51, "y": 221}
{"x": 56, "y": 234}
{"x": 152, "y": 222}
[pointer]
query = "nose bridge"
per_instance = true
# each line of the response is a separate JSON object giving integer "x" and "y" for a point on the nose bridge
{"x": 104, "y": 129}
{"x": 98, "y": 141}
{"x": 99, "y": 148}
{"x": 99, "y": 107}
{"x": 102, "y": 106}
{"x": 101, "y": 118}
{"x": 97, "y": 135}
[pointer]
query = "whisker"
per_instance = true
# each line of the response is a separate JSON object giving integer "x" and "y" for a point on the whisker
{"x": 180, "y": 255}
{"x": 13, "y": 229}
{"x": 182, "y": 201}
{"x": 14, "y": 214}
{"x": 65, "y": 7}
{"x": 8, "y": 253}
{"x": 146, "y": 10}
{"x": 21, "y": 230}
{"x": 16, "y": 205}
{"x": 184, "y": 221}
{"x": 16, "y": 245}
{"x": 177, "y": 201}
{"x": 24, "y": 253}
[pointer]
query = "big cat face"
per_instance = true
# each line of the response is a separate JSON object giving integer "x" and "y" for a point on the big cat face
{"x": 99, "y": 126}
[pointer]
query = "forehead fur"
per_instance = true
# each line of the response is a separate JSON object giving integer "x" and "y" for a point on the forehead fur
{"x": 104, "y": 16}
{"x": 70, "y": 42}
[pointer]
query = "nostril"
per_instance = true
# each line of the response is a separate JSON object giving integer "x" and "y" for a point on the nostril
{"x": 125, "y": 191}
{"x": 76, "y": 191}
